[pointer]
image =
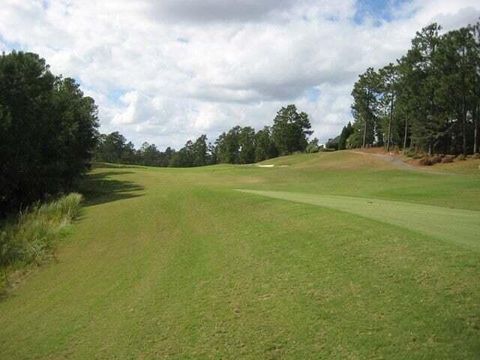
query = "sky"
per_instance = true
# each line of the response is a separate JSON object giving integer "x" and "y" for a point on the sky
{"x": 165, "y": 71}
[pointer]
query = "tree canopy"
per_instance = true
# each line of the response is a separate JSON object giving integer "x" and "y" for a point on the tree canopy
{"x": 47, "y": 130}
{"x": 429, "y": 99}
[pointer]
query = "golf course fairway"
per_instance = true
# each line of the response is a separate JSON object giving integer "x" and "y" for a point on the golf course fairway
{"x": 364, "y": 261}
{"x": 455, "y": 225}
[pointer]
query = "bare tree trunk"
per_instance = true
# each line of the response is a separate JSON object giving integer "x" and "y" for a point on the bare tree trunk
{"x": 475, "y": 130}
{"x": 464, "y": 130}
{"x": 405, "y": 136}
{"x": 389, "y": 132}
{"x": 364, "y": 134}
{"x": 366, "y": 120}
{"x": 475, "y": 135}
{"x": 390, "y": 126}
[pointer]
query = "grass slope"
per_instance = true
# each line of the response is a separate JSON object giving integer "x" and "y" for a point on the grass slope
{"x": 175, "y": 263}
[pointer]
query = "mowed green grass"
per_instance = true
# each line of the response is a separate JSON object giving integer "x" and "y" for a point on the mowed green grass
{"x": 454, "y": 225}
{"x": 175, "y": 263}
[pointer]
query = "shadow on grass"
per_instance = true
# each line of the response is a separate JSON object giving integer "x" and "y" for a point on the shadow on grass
{"x": 103, "y": 165}
{"x": 100, "y": 188}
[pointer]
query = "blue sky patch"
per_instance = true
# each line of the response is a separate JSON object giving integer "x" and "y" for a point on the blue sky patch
{"x": 114, "y": 95}
{"x": 377, "y": 10}
{"x": 313, "y": 94}
{"x": 11, "y": 45}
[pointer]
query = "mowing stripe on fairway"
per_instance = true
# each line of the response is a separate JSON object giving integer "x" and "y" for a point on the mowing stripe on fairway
{"x": 454, "y": 225}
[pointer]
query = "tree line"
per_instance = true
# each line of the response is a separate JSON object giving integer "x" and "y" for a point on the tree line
{"x": 429, "y": 100}
{"x": 49, "y": 136}
{"x": 48, "y": 131}
{"x": 240, "y": 145}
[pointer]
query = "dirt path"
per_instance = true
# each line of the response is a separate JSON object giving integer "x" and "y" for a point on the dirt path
{"x": 397, "y": 162}
{"x": 400, "y": 164}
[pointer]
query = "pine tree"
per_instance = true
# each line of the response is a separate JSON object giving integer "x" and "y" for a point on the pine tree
{"x": 364, "y": 106}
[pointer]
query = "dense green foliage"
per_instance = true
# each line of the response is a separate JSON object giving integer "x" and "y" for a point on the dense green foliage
{"x": 429, "y": 100}
{"x": 240, "y": 145}
{"x": 290, "y": 130}
{"x": 47, "y": 131}
{"x": 264, "y": 145}
{"x": 344, "y": 135}
{"x": 340, "y": 142}
{"x": 175, "y": 263}
{"x": 33, "y": 235}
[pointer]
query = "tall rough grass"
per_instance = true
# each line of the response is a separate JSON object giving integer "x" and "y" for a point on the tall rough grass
{"x": 32, "y": 236}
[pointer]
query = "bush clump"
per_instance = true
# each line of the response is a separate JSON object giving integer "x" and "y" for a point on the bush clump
{"x": 461, "y": 157}
{"x": 426, "y": 161}
{"x": 32, "y": 236}
{"x": 448, "y": 159}
{"x": 410, "y": 152}
{"x": 431, "y": 160}
{"x": 436, "y": 159}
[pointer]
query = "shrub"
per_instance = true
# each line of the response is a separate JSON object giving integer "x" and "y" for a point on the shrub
{"x": 461, "y": 157}
{"x": 312, "y": 148}
{"x": 431, "y": 160}
{"x": 476, "y": 156}
{"x": 31, "y": 238}
{"x": 410, "y": 152}
{"x": 448, "y": 159}
{"x": 436, "y": 159}
{"x": 426, "y": 161}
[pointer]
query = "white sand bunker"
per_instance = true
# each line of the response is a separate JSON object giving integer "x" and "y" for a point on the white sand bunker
{"x": 271, "y": 165}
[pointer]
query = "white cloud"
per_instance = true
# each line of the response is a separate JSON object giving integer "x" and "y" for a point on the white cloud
{"x": 217, "y": 10}
{"x": 172, "y": 70}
